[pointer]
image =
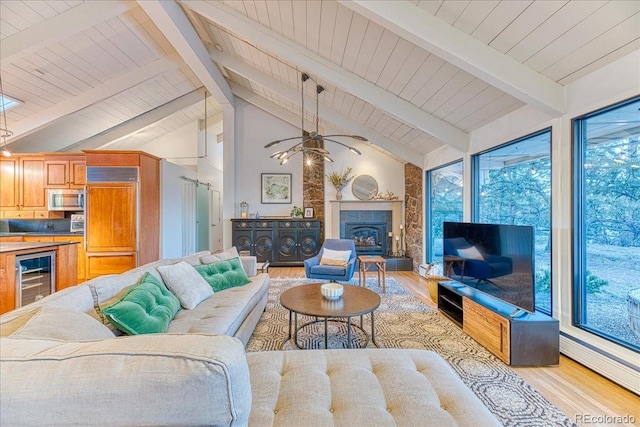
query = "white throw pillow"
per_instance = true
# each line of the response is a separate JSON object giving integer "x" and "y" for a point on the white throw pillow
{"x": 59, "y": 323}
{"x": 331, "y": 257}
{"x": 185, "y": 283}
{"x": 232, "y": 252}
{"x": 471, "y": 253}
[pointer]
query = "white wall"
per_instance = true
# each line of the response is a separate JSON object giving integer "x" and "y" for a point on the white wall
{"x": 611, "y": 84}
{"x": 179, "y": 146}
{"x": 173, "y": 242}
{"x": 255, "y": 128}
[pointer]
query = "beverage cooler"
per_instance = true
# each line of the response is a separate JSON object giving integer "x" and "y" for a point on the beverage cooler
{"x": 35, "y": 277}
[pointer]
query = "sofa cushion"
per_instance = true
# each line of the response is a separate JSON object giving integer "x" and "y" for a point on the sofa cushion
{"x": 53, "y": 322}
{"x": 146, "y": 308}
{"x": 146, "y": 380}
{"x": 223, "y": 275}
{"x": 225, "y": 311}
{"x": 185, "y": 283}
{"x": 381, "y": 387}
{"x": 337, "y": 258}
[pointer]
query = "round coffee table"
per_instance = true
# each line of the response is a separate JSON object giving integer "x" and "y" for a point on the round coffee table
{"x": 307, "y": 300}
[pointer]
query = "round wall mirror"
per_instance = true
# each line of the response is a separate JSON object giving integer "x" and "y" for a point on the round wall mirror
{"x": 364, "y": 187}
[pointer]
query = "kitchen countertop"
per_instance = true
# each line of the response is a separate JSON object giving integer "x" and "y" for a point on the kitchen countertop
{"x": 41, "y": 233}
{"x": 23, "y": 246}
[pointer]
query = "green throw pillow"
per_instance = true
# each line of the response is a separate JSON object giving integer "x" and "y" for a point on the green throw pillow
{"x": 147, "y": 308}
{"x": 223, "y": 275}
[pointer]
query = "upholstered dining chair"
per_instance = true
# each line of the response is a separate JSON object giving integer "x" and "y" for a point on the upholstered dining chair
{"x": 315, "y": 269}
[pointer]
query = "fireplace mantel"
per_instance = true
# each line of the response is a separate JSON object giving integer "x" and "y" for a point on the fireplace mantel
{"x": 335, "y": 206}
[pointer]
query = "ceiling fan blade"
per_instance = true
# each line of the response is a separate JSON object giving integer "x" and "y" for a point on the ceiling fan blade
{"x": 358, "y": 137}
{"x": 278, "y": 141}
{"x": 352, "y": 149}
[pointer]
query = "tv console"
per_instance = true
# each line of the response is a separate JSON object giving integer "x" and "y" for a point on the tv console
{"x": 516, "y": 337}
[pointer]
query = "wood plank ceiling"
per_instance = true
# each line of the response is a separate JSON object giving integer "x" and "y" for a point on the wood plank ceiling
{"x": 413, "y": 75}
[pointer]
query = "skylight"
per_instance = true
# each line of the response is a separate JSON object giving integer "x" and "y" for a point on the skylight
{"x": 7, "y": 103}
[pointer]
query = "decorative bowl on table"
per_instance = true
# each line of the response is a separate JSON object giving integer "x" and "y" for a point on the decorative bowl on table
{"x": 332, "y": 291}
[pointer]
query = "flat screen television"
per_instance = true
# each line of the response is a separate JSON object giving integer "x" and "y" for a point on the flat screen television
{"x": 497, "y": 259}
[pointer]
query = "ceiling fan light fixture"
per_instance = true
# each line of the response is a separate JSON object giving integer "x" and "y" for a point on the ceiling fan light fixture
{"x": 272, "y": 143}
{"x": 311, "y": 136}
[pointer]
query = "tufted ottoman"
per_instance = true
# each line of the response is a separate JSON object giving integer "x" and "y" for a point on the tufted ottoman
{"x": 381, "y": 387}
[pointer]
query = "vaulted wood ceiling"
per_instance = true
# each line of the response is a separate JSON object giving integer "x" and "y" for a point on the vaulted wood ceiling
{"x": 409, "y": 76}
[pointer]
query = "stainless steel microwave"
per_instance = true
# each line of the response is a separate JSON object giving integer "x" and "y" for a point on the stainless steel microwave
{"x": 65, "y": 200}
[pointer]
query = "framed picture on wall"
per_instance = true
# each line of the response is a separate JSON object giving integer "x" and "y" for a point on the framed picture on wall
{"x": 308, "y": 212}
{"x": 276, "y": 187}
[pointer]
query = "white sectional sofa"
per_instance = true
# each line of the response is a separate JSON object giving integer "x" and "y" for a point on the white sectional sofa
{"x": 60, "y": 366}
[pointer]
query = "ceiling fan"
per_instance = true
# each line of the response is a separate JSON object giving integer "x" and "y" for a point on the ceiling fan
{"x": 303, "y": 146}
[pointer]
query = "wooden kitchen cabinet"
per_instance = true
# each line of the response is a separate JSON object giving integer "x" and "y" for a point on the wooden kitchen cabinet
{"x": 32, "y": 191}
{"x": 22, "y": 184}
{"x": 82, "y": 258}
{"x": 65, "y": 171}
{"x": 9, "y": 183}
{"x": 110, "y": 219}
{"x": 122, "y": 215}
{"x": 66, "y": 258}
{"x": 102, "y": 263}
{"x": 82, "y": 254}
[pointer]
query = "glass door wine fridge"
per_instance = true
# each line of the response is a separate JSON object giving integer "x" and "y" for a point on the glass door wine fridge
{"x": 35, "y": 276}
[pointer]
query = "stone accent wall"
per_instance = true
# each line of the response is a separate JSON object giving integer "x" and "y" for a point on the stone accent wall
{"x": 414, "y": 210}
{"x": 313, "y": 186}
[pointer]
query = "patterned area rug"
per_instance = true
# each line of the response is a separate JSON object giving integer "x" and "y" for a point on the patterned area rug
{"x": 402, "y": 321}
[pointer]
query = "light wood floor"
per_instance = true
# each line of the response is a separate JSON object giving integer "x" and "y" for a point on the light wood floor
{"x": 572, "y": 387}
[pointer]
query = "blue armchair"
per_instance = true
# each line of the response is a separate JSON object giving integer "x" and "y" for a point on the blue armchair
{"x": 314, "y": 270}
{"x": 479, "y": 265}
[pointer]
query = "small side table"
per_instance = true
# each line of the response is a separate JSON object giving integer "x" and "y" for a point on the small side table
{"x": 450, "y": 261}
{"x": 263, "y": 267}
{"x": 380, "y": 263}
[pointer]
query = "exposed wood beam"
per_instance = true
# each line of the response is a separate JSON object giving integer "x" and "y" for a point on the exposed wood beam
{"x": 467, "y": 53}
{"x": 110, "y": 88}
{"x": 138, "y": 123}
{"x": 66, "y": 24}
{"x": 174, "y": 24}
{"x": 337, "y": 118}
{"x": 288, "y": 50}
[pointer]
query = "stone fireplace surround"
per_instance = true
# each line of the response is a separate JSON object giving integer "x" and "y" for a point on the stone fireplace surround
{"x": 392, "y": 211}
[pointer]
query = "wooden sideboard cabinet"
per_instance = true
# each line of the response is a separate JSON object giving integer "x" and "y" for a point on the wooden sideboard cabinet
{"x": 282, "y": 242}
{"x": 516, "y": 337}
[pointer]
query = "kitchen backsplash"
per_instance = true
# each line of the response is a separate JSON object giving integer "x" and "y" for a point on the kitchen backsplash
{"x": 34, "y": 225}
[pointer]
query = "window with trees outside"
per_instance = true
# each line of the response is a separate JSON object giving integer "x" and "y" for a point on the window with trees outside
{"x": 512, "y": 185}
{"x": 444, "y": 187}
{"x": 607, "y": 223}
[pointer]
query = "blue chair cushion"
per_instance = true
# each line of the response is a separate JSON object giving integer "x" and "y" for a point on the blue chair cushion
{"x": 329, "y": 270}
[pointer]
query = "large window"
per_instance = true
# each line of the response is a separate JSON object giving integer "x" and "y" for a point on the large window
{"x": 512, "y": 185}
{"x": 444, "y": 187}
{"x": 607, "y": 218}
